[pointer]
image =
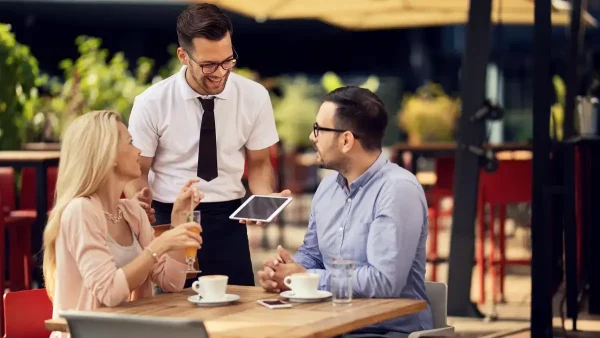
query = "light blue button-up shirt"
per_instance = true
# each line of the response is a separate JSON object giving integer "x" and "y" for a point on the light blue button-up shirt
{"x": 379, "y": 223}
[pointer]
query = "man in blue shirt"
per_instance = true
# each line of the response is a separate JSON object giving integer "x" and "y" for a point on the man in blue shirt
{"x": 372, "y": 212}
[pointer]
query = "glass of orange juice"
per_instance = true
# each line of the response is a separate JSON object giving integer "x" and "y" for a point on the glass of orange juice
{"x": 190, "y": 253}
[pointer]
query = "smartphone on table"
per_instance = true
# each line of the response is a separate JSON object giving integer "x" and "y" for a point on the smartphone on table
{"x": 274, "y": 303}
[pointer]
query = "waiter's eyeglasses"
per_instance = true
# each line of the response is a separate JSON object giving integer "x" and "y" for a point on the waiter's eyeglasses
{"x": 317, "y": 128}
{"x": 209, "y": 68}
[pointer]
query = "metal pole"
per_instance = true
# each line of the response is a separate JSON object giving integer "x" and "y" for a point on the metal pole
{"x": 541, "y": 257}
{"x": 462, "y": 243}
{"x": 576, "y": 36}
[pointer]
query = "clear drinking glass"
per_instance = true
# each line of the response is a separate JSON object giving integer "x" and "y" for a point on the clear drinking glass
{"x": 341, "y": 281}
{"x": 190, "y": 253}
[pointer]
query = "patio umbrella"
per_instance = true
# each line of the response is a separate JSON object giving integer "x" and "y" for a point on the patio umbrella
{"x": 386, "y": 14}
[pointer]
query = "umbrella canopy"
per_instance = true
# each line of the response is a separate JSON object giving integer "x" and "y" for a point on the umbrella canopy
{"x": 386, "y": 14}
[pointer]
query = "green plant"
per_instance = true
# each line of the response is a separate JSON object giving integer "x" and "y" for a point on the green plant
{"x": 296, "y": 110}
{"x": 18, "y": 80}
{"x": 96, "y": 82}
{"x": 429, "y": 114}
{"x": 171, "y": 67}
{"x": 332, "y": 81}
{"x": 558, "y": 108}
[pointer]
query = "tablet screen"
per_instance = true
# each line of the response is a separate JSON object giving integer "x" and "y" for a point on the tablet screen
{"x": 260, "y": 207}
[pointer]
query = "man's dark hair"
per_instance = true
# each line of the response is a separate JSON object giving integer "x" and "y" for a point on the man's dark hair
{"x": 360, "y": 111}
{"x": 202, "y": 21}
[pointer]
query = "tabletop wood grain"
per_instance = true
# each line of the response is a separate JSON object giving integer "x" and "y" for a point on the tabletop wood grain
{"x": 245, "y": 318}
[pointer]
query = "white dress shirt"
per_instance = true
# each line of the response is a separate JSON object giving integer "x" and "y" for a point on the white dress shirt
{"x": 165, "y": 124}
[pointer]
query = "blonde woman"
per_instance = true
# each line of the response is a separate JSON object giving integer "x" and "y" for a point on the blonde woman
{"x": 100, "y": 250}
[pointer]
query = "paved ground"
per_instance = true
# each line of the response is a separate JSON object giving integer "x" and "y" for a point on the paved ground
{"x": 512, "y": 316}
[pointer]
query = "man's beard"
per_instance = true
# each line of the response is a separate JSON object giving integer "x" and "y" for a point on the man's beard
{"x": 208, "y": 91}
{"x": 339, "y": 164}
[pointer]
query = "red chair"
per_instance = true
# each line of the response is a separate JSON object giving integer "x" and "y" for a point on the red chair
{"x": 2, "y": 262}
{"x": 18, "y": 224}
{"x": 28, "y": 188}
{"x": 444, "y": 170}
{"x": 25, "y": 313}
{"x": 27, "y": 206}
{"x": 510, "y": 184}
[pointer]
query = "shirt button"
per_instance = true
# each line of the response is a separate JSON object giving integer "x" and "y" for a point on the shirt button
{"x": 349, "y": 200}
{"x": 341, "y": 228}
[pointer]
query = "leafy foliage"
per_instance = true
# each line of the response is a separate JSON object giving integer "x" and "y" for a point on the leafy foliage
{"x": 332, "y": 81}
{"x": 296, "y": 110}
{"x": 558, "y": 108}
{"x": 96, "y": 81}
{"x": 18, "y": 80}
{"x": 429, "y": 114}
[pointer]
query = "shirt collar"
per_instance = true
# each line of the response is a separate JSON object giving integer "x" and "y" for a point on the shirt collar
{"x": 187, "y": 93}
{"x": 366, "y": 176}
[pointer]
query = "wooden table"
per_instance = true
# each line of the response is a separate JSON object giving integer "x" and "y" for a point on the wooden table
{"x": 246, "y": 318}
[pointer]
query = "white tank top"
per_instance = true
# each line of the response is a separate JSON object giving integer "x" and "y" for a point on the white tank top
{"x": 124, "y": 254}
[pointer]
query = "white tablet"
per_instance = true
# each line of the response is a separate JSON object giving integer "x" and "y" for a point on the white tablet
{"x": 261, "y": 208}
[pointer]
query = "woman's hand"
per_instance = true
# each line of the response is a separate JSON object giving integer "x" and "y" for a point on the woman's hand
{"x": 186, "y": 201}
{"x": 186, "y": 235}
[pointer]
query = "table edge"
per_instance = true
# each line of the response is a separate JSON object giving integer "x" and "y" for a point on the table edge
{"x": 57, "y": 324}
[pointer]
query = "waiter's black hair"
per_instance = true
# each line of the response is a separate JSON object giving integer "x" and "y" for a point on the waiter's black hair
{"x": 202, "y": 21}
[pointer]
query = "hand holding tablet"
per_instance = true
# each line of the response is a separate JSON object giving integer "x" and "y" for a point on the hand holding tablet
{"x": 259, "y": 209}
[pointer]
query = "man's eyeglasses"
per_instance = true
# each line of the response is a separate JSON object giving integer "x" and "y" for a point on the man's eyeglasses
{"x": 209, "y": 68}
{"x": 317, "y": 128}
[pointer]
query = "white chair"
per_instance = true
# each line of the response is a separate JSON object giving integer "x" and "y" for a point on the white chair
{"x": 437, "y": 293}
{"x": 84, "y": 324}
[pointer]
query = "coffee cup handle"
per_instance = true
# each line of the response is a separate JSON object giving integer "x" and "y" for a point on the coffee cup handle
{"x": 196, "y": 287}
{"x": 288, "y": 281}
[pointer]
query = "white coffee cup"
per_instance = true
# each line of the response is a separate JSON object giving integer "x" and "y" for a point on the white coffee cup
{"x": 303, "y": 284}
{"x": 212, "y": 287}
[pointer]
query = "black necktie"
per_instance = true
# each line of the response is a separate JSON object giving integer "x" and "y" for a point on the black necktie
{"x": 207, "y": 149}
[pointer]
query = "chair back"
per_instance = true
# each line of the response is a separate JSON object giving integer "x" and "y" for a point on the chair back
{"x": 444, "y": 170}
{"x": 28, "y": 188}
{"x": 85, "y": 324}
{"x": 444, "y": 184}
{"x": 437, "y": 292}
{"x": 511, "y": 183}
{"x": 25, "y": 313}
{"x": 7, "y": 190}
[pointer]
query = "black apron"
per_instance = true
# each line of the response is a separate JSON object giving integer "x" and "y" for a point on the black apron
{"x": 225, "y": 248}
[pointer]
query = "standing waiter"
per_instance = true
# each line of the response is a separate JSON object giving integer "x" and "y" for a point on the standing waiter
{"x": 206, "y": 121}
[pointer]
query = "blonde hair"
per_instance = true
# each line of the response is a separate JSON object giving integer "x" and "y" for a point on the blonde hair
{"x": 88, "y": 150}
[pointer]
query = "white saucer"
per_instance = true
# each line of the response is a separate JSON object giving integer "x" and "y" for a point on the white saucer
{"x": 319, "y": 296}
{"x": 199, "y": 301}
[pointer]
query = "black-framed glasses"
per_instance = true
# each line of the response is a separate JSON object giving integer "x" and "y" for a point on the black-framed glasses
{"x": 209, "y": 68}
{"x": 317, "y": 128}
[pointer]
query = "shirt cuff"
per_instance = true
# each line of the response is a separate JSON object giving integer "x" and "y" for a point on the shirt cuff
{"x": 263, "y": 144}
{"x": 174, "y": 274}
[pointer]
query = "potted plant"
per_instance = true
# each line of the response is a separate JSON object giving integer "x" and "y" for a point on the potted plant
{"x": 429, "y": 115}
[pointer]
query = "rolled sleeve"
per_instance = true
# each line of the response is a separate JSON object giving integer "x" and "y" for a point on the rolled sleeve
{"x": 168, "y": 273}
{"x": 264, "y": 132}
{"x": 143, "y": 128}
